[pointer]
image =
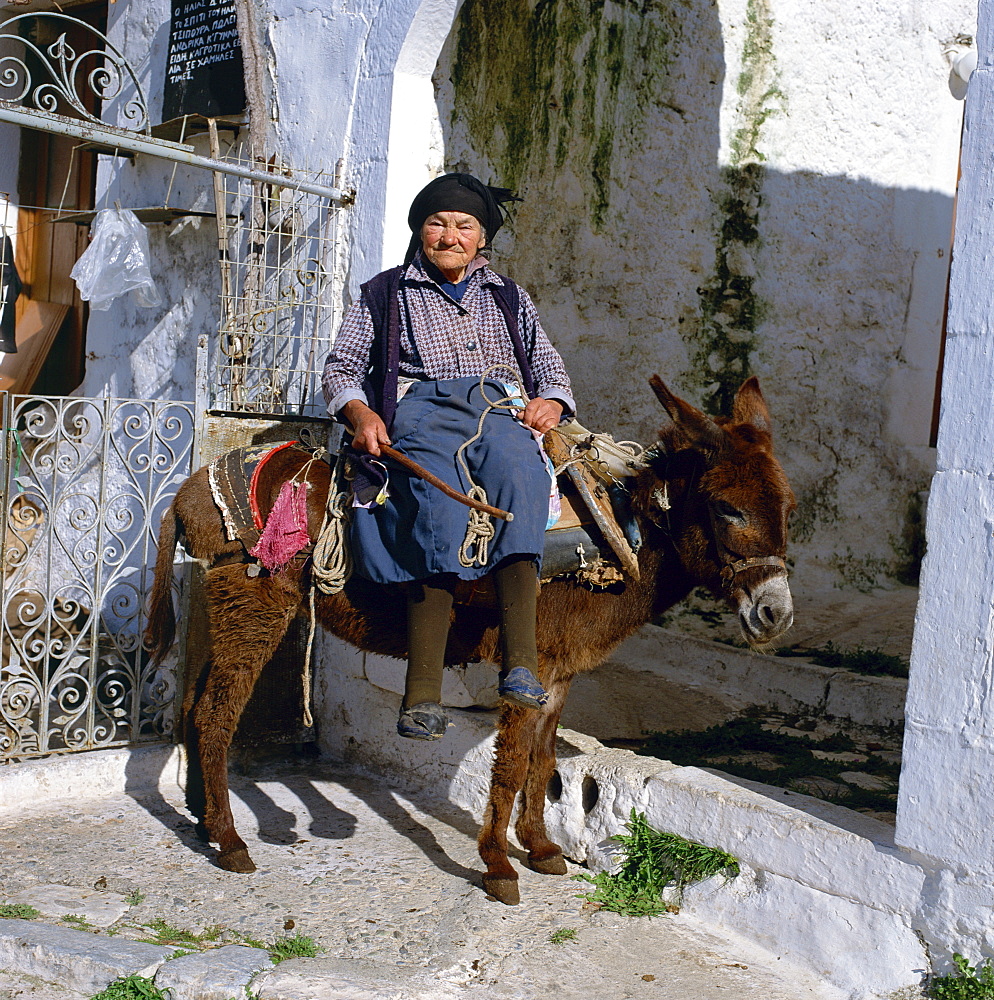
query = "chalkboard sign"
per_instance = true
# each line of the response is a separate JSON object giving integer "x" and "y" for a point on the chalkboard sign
{"x": 204, "y": 72}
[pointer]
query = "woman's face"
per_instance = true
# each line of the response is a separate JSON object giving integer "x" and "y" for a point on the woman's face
{"x": 451, "y": 240}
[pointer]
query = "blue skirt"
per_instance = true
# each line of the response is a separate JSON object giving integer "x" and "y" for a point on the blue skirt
{"x": 418, "y": 531}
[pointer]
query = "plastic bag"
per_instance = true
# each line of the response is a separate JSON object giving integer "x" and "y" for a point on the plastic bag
{"x": 116, "y": 261}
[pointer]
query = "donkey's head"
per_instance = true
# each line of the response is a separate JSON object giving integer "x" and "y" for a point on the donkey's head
{"x": 729, "y": 502}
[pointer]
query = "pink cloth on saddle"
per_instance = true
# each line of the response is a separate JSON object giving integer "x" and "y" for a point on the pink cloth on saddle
{"x": 285, "y": 533}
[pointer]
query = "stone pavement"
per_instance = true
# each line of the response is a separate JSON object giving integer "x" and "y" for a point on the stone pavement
{"x": 385, "y": 883}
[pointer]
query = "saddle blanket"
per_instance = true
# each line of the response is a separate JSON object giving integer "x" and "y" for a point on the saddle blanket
{"x": 234, "y": 479}
{"x": 595, "y": 538}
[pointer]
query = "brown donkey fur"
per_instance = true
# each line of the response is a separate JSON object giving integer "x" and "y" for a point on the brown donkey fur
{"x": 711, "y": 496}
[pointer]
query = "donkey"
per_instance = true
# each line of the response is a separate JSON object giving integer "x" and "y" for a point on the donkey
{"x": 712, "y": 504}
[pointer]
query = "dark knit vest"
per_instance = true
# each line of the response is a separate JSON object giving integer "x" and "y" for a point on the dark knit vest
{"x": 382, "y": 298}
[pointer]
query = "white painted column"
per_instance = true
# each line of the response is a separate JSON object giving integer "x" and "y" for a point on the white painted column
{"x": 946, "y": 807}
{"x": 387, "y": 122}
{"x": 415, "y": 153}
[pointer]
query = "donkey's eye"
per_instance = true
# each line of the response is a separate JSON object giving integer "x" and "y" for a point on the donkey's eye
{"x": 729, "y": 513}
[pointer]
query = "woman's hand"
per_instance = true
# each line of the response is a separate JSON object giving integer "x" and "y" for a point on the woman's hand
{"x": 368, "y": 429}
{"x": 541, "y": 414}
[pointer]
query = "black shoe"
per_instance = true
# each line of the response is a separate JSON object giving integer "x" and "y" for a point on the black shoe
{"x": 520, "y": 686}
{"x": 424, "y": 721}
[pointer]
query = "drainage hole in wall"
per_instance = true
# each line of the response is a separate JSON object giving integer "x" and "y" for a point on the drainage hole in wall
{"x": 590, "y": 793}
{"x": 554, "y": 791}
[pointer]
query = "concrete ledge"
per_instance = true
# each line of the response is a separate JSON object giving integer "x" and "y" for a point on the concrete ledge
{"x": 827, "y": 847}
{"x": 862, "y": 950}
{"x": 77, "y": 960}
{"x": 787, "y": 684}
{"x": 89, "y": 775}
{"x": 220, "y": 974}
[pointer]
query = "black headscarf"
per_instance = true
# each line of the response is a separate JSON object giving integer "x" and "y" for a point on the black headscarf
{"x": 457, "y": 193}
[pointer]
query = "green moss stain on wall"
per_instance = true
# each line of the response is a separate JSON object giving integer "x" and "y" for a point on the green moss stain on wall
{"x": 756, "y": 86}
{"x": 542, "y": 85}
{"x": 729, "y": 307}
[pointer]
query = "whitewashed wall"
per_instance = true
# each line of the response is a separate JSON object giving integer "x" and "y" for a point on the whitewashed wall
{"x": 151, "y": 353}
{"x": 946, "y": 809}
{"x": 747, "y": 186}
{"x": 348, "y": 82}
{"x": 711, "y": 190}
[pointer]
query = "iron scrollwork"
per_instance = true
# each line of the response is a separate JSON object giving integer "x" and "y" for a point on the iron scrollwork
{"x": 86, "y": 483}
{"x": 56, "y": 76}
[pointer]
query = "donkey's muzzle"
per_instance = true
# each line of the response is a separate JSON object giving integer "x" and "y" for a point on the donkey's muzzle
{"x": 767, "y": 612}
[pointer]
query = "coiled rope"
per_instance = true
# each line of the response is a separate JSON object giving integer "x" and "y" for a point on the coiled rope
{"x": 475, "y": 548}
{"x": 331, "y": 562}
{"x": 332, "y": 565}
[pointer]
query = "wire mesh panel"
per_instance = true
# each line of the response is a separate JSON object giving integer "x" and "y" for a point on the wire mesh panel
{"x": 279, "y": 258}
{"x": 83, "y": 487}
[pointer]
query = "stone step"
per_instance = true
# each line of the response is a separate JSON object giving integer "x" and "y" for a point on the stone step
{"x": 77, "y": 960}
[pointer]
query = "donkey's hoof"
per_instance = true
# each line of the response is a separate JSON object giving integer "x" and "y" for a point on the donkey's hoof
{"x": 237, "y": 860}
{"x": 202, "y": 835}
{"x": 504, "y": 890}
{"x": 556, "y": 865}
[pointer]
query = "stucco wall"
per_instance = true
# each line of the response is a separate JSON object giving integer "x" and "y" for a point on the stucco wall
{"x": 712, "y": 190}
{"x": 345, "y": 82}
{"x": 945, "y": 807}
{"x": 720, "y": 189}
{"x": 151, "y": 353}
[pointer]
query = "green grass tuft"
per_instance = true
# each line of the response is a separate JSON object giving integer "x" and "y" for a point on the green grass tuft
{"x": 165, "y": 933}
{"x": 298, "y": 946}
{"x": 653, "y": 861}
{"x": 75, "y": 918}
{"x": 131, "y": 988}
{"x": 971, "y": 983}
{"x": 252, "y": 942}
{"x": 18, "y": 911}
{"x": 134, "y": 898}
{"x": 562, "y": 935}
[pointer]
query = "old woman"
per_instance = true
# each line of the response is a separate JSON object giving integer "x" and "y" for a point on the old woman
{"x": 418, "y": 362}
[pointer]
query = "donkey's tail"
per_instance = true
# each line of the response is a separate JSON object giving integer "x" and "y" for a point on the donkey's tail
{"x": 160, "y": 631}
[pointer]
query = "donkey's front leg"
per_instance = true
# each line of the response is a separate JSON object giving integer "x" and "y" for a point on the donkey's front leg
{"x": 544, "y": 856}
{"x": 515, "y": 733}
{"x": 248, "y": 619}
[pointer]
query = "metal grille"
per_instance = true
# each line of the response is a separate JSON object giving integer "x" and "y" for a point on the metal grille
{"x": 280, "y": 280}
{"x": 83, "y": 486}
{"x": 41, "y": 70}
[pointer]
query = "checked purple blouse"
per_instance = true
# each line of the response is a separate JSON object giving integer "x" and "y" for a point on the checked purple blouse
{"x": 444, "y": 339}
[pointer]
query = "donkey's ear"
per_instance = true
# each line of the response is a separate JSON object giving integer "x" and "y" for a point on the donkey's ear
{"x": 750, "y": 407}
{"x": 699, "y": 429}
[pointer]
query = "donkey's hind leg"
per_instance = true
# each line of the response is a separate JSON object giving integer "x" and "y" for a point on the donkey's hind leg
{"x": 194, "y": 679}
{"x": 544, "y": 856}
{"x": 515, "y": 733}
{"x": 248, "y": 618}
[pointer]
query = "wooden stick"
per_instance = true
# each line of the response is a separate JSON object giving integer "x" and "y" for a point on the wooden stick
{"x": 428, "y": 477}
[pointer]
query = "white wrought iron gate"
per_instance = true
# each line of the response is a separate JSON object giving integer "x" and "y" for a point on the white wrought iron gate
{"x": 83, "y": 487}
{"x": 84, "y": 481}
